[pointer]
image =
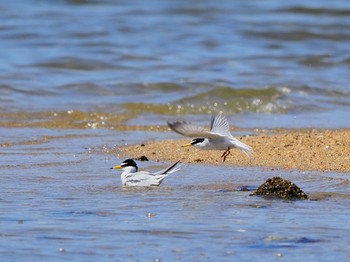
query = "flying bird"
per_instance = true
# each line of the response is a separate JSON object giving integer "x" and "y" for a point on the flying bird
{"x": 218, "y": 138}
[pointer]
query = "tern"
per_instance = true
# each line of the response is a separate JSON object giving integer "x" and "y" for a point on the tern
{"x": 218, "y": 138}
{"x": 132, "y": 177}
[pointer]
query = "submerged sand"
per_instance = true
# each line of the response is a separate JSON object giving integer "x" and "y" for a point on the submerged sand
{"x": 323, "y": 150}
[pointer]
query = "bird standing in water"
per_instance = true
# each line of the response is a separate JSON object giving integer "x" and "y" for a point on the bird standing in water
{"x": 132, "y": 177}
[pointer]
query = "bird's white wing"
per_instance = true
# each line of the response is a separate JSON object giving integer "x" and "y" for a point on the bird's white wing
{"x": 220, "y": 126}
{"x": 192, "y": 130}
{"x": 141, "y": 178}
{"x": 188, "y": 129}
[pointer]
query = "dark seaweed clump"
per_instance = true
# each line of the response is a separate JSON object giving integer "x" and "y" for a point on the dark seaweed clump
{"x": 280, "y": 188}
{"x": 142, "y": 158}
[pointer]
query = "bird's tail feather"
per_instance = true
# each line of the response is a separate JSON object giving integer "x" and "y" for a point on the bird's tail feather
{"x": 245, "y": 148}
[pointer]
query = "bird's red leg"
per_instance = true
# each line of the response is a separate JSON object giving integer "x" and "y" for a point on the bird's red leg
{"x": 228, "y": 152}
{"x": 225, "y": 154}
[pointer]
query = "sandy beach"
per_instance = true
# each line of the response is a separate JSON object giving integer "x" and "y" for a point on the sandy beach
{"x": 321, "y": 150}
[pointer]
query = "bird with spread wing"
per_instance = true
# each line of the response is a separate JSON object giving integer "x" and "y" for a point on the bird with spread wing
{"x": 218, "y": 138}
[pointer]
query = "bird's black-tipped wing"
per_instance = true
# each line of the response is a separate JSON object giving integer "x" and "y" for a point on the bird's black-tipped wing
{"x": 188, "y": 129}
{"x": 170, "y": 169}
{"x": 218, "y": 129}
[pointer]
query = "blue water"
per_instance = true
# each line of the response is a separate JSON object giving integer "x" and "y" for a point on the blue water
{"x": 74, "y": 73}
{"x": 100, "y": 55}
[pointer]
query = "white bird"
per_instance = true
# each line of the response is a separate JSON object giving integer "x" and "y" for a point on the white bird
{"x": 132, "y": 177}
{"x": 218, "y": 138}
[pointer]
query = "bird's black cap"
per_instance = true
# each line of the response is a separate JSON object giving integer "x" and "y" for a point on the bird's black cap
{"x": 197, "y": 140}
{"x": 129, "y": 162}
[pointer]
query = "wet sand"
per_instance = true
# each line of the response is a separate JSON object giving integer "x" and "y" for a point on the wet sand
{"x": 322, "y": 150}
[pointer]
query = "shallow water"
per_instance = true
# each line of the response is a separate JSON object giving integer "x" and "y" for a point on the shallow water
{"x": 76, "y": 76}
{"x": 59, "y": 200}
